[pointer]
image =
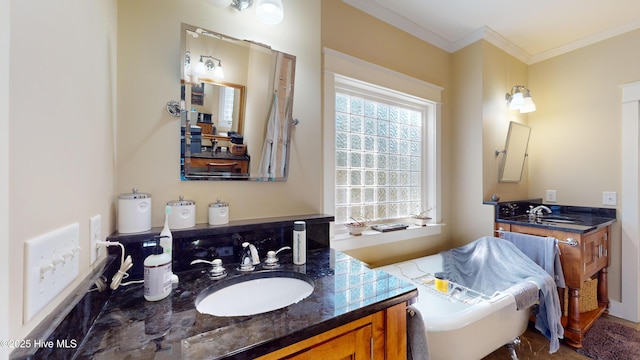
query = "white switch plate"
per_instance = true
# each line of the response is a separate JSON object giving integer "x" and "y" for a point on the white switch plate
{"x": 52, "y": 262}
{"x": 551, "y": 196}
{"x": 95, "y": 234}
{"x": 609, "y": 198}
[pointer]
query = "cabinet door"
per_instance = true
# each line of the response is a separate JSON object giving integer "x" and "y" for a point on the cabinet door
{"x": 595, "y": 250}
{"x": 353, "y": 345}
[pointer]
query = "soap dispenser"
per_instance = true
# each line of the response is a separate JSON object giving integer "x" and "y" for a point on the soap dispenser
{"x": 157, "y": 274}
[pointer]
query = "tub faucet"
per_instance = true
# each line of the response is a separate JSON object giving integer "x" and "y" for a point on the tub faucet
{"x": 249, "y": 257}
{"x": 538, "y": 211}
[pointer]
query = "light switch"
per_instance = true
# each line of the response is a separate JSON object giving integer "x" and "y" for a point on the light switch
{"x": 52, "y": 262}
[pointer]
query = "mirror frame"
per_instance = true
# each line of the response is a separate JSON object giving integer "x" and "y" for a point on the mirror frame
{"x": 255, "y": 135}
{"x": 515, "y": 153}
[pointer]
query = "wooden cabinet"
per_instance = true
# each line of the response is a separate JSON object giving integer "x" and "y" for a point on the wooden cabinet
{"x": 378, "y": 336}
{"x": 589, "y": 259}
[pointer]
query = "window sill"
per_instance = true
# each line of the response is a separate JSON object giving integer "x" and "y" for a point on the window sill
{"x": 344, "y": 241}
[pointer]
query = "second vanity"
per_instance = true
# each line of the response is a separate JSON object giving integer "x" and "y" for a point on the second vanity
{"x": 583, "y": 235}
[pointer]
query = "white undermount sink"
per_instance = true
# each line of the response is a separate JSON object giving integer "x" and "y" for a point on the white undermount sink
{"x": 254, "y": 293}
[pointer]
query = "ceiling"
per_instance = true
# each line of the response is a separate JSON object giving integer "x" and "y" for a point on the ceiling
{"x": 532, "y": 31}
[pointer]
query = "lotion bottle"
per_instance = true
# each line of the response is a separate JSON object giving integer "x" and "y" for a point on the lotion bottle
{"x": 157, "y": 275}
{"x": 299, "y": 243}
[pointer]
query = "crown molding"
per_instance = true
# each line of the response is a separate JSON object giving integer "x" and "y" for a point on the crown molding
{"x": 491, "y": 36}
{"x": 485, "y": 33}
{"x": 382, "y": 13}
{"x": 590, "y": 40}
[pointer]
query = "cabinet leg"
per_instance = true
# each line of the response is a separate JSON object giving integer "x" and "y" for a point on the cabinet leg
{"x": 603, "y": 285}
{"x": 573, "y": 332}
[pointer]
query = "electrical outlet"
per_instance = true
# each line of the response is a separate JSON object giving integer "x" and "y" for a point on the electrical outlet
{"x": 52, "y": 262}
{"x": 95, "y": 235}
{"x": 609, "y": 198}
{"x": 551, "y": 196}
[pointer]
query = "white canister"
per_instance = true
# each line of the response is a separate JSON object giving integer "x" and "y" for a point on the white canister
{"x": 134, "y": 212}
{"x": 218, "y": 213}
{"x": 183, "y": 213}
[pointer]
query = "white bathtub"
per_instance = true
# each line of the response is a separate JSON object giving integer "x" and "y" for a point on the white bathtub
{"x": 461, "y": 325}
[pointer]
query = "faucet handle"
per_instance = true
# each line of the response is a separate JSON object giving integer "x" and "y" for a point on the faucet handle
{"x": 272, "y": 261}
{"x": 217, "y": 271}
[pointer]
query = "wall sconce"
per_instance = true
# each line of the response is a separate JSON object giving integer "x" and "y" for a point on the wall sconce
{"x": 209, "y": 65}
{"x": 270, "y": 12}
{"x": 202, "y": 67}
{"x": 520, "y": 99}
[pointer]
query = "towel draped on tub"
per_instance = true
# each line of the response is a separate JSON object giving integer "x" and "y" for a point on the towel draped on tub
{"x": 490, "y": 264}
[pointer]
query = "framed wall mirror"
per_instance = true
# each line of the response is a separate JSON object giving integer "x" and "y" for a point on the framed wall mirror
{"x": 238, "y": 99}
{"x": 515, "y": 153}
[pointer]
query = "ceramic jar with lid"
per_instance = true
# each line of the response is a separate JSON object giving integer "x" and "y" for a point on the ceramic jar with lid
{"x": 183, "y": 213}
{"x": 218, "y": 213}
{"x": 134, "y": 212}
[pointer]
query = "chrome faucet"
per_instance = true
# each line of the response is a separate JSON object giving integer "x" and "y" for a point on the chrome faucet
{"x": 249, "y": 257}
{"x": 538, "y": 211}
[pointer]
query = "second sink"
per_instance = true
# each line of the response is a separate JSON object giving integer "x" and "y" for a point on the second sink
{"x": 254, "y": 293}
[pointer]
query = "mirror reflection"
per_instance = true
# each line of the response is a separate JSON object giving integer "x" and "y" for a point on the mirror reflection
{"x": 238, "y": 97}
{"x": 515, "y": 153}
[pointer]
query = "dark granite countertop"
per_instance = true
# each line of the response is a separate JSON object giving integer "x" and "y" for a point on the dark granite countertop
{"x": 576, "y": 219}
{"x": 582, "y": 226}
{"x": 345, "y": 290}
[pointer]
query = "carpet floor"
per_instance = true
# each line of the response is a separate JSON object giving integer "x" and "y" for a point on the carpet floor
{"x": 535, "y": 346}
{"x": 609, "y": 340}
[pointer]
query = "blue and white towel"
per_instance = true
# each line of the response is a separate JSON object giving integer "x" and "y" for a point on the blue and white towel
{"x": 544, "y": 251}
{"x": 490, "y": 264}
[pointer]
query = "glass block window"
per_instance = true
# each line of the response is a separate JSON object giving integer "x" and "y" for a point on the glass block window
{"x": 378, "y": 155}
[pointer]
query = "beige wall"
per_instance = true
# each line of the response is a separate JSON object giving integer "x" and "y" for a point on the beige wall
{"x": 468, "y": 215}
{"x": 576, "y": 131}
{"x": 500, "y": 73}
{"x": 352, "y": 32}
{"x": 61, "y": 137}
{"x": 482, "y": 74}
{"x": 149, "y": 76}
{"x": 4, "y": 173}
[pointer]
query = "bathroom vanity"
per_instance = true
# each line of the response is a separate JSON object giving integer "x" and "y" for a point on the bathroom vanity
{"x": 352, "y": 311}
{"x": 583, "y": 235}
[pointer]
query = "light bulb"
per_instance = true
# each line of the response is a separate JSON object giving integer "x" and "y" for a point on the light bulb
{"x": 517, "y": 101}
{"x": 528, "y": 106}
{"x": 270, "y": 12}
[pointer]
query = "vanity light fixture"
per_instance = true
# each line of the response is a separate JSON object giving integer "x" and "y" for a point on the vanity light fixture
{"x": 241, "y": 4}
{"x": 520, "y": 99}
{"x": 270, "y": 12}
{"x": 209, "y": 65}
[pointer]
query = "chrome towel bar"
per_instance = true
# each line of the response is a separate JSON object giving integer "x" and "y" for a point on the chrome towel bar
{"x": 569, "y": 241}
